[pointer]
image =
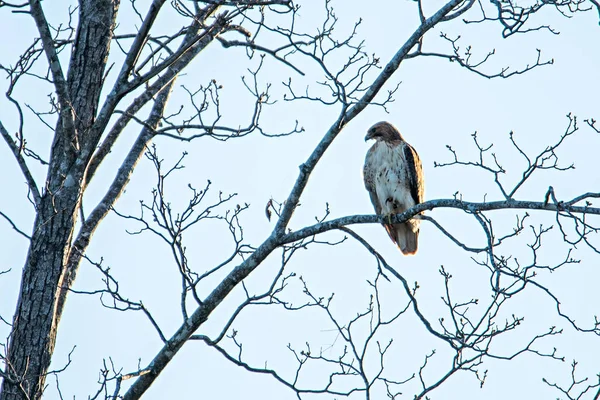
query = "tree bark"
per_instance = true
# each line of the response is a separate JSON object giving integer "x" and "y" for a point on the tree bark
{"x": 36, "y": 319}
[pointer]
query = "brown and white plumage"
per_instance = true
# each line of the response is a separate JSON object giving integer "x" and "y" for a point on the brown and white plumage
{"x": 394, "y": 179}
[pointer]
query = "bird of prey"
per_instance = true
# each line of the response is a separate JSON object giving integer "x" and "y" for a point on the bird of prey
{"x": 394, "y": 179}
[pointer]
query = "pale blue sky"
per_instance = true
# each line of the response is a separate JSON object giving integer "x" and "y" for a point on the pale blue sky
{"x": 437, "y": 103}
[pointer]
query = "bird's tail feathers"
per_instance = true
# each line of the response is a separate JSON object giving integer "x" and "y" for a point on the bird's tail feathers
{"x": 405, "y": 238}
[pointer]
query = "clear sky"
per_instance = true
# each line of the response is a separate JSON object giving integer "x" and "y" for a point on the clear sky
{"x": 437, "y": 104}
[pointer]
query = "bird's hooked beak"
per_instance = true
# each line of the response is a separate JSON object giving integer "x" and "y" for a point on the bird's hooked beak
{"x": 369, "y": 136}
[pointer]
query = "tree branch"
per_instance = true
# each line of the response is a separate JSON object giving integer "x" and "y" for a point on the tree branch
{"x": 113, "y": 98}
{"x": 15, "y": 227}
{"x": 66, "y": 110}
{"x": 470, "y": 207}
{"x": 33, "y": 188}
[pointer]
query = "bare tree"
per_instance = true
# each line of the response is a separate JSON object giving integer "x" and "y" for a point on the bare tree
{"x": 119, "y": 76}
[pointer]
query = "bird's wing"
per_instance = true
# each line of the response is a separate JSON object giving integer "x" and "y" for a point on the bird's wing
{"x": 414, "y": 171}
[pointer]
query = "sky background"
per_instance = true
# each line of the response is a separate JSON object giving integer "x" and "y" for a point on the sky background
{"x": 437, "y": 104}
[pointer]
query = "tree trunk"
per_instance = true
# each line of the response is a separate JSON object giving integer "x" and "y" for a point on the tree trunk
{"x": 36, "y": 319}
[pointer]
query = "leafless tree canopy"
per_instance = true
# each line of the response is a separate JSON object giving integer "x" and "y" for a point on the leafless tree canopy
{"x": 110, "y": 69}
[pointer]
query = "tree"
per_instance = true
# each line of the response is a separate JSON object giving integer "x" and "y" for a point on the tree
{"x": 111, "y": 70}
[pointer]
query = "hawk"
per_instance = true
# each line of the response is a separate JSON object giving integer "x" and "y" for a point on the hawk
{"x": 394, "y": 179}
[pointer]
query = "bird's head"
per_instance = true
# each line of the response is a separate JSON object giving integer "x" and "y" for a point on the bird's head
{"x": 383, "y": 131}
